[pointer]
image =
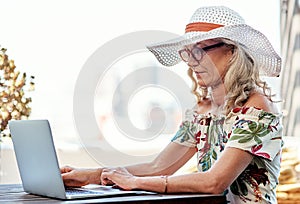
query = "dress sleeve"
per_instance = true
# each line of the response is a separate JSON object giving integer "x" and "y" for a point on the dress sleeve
{"x": 185, "y": 134}
{"x": 257, "y": 132}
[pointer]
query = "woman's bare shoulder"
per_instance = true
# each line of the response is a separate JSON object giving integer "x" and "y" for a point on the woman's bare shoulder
{"x": 259, "y": 100}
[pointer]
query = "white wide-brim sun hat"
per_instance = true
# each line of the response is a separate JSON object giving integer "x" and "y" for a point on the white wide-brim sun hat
{"x": 220, "y": 22}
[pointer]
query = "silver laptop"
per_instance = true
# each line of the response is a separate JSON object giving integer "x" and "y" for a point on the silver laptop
{"x": 39, "y": 168}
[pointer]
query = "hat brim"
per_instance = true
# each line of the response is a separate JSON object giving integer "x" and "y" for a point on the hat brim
{"x": 252, "y": 40}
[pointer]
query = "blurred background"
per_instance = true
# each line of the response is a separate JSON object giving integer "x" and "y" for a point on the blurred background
{"x": 52, "y": 40}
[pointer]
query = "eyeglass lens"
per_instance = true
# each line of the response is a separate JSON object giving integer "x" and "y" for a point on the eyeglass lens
{"x": 197, "y": 52}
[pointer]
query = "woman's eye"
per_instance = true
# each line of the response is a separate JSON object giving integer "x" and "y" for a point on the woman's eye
{"x": 197, "y": 51}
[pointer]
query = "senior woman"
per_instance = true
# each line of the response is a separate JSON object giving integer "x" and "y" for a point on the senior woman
{"x": 234, "y": 128}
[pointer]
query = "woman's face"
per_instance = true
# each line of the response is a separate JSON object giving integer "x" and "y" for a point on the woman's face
{"x": 211, "y": 68}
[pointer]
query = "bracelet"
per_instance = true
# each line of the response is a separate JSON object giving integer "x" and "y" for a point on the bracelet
{"x": 165, "y": 184}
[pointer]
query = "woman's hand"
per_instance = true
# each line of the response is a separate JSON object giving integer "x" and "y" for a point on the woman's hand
{"x": 119, "y": 177}
{"x": 80, "y": 177}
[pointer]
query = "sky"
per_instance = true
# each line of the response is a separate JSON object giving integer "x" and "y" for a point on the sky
{"x": 53, "y": 39}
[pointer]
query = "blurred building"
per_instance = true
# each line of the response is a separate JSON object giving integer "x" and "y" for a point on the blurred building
{"x": 290, "y": 51}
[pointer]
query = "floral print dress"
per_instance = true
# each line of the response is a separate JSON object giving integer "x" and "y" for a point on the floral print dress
{"x": 250, "y": 129}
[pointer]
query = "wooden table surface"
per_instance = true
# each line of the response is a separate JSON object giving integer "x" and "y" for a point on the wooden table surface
{"x": 14, "y": 193}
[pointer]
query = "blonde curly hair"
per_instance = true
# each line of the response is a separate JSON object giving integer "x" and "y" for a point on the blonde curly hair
{"x": 242, "y": 77}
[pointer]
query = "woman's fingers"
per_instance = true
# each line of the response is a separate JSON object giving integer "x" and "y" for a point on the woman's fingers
{"x": 105, "y": 180}
{"x": 66, "y": 169}
{"x": 119, "y": 177}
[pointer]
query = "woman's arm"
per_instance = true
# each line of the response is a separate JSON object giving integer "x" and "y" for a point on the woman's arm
{"x": 218, "y": 178}
{"x": 230, "y": 165}
{"x": 167, "y": 162}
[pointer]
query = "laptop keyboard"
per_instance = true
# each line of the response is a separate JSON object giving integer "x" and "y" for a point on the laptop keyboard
{"x": 77, "y": 191}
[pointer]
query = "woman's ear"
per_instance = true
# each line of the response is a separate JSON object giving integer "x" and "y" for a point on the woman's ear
{"x": 231, "y": 48}
{"x": 230, "y": 53}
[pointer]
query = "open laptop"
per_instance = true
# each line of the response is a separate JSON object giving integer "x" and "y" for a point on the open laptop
{"x": 39, "y": 168}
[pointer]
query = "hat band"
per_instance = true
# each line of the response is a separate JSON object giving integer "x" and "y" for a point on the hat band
{"x": 201, "y": 26}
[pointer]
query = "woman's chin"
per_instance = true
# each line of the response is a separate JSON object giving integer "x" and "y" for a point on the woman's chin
{"x": 202, "y": 83}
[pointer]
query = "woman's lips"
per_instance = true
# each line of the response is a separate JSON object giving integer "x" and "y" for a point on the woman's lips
{"x": 198, "y": 73}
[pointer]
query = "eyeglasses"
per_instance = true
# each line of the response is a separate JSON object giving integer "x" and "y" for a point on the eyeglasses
{"x": 197, "y": 53}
